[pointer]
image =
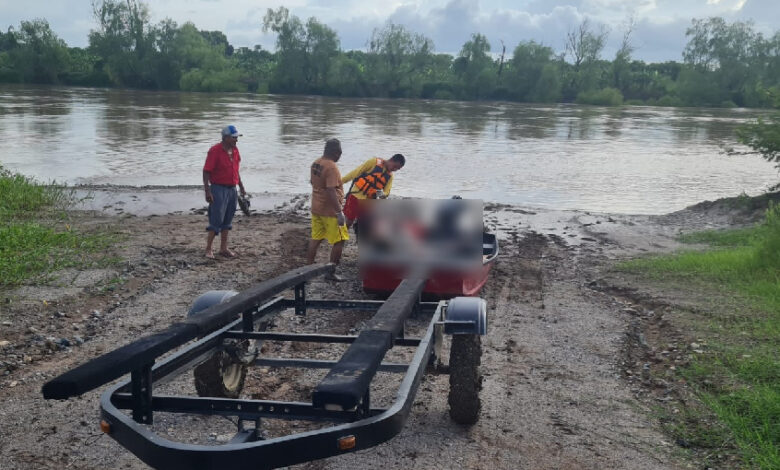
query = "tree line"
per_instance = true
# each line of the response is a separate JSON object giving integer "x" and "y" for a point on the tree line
{"x": 724, "y": 64}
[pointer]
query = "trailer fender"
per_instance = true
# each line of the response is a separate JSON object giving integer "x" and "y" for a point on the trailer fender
{"x": 466, "y": 316}
{"x": 208, "y": 299}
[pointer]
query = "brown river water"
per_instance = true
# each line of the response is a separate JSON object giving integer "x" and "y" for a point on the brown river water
{"x": 642, "y": 160}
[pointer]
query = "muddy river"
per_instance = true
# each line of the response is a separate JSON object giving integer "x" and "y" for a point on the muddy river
{"x": 642, "y": 160}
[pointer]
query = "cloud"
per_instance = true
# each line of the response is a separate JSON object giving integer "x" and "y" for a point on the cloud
{"x": 659, "y": 33}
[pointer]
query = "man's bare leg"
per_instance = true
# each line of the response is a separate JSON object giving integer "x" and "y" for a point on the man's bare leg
{"x": 335, "y": 257}
{"x": 311, "y": 252}
{"x": 223, "y": 244}
{"x": 209, "y": 243}
{"x": 335, "y": 252}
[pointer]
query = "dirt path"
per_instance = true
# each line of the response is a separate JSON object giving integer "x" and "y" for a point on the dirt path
{"x": 553, "y": 395}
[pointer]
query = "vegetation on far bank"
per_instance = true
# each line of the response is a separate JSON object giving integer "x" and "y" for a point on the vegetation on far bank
{"x": 737, "y": 377}
{"x": 723, "y": 64}
{"x": 35, "y": 236}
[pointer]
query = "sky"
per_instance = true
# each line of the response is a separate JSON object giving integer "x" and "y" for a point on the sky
{"x": 658, "y": 33}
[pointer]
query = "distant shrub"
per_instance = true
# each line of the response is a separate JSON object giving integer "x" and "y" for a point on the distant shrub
{"x": 443, "y": 95}
{"x": 668, "y": 100}
{"x": 604, "y": 97}
{"x": 768, "y": 253}
{"x": 212, "y": 80}
{"x": 635, "y": 102}
{"x": 728, "y": 104}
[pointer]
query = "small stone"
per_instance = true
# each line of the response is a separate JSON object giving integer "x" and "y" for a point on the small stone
{"x": 78, "y": 340}
{"x": 4, "y": 343}
{"x": 13, "y": 384}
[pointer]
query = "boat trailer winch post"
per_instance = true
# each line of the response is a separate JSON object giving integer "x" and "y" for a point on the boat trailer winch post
{"x": 342, "y": 397}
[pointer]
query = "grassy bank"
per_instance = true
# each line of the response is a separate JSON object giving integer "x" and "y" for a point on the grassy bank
{"x": 737, "y": 378}
{"x": 35, "y": 236}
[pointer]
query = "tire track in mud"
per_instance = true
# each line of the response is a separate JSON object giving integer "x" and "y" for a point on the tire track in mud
{"x": 549, "y": 360}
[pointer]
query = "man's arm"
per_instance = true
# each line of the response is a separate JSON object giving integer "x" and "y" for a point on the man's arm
{"x": 207, "y": 186}
{"x": 333, "y": 200}
{"x": 389, "y": 185}
{"x": 367, "y": 166}
{"x": 241, "y": 186}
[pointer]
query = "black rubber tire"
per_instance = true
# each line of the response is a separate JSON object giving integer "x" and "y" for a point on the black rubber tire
{"x": 465, "y": 378}
{"x": 223, "y": 374}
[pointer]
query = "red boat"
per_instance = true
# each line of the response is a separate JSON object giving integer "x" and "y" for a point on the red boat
{"x": 442, "y": 284}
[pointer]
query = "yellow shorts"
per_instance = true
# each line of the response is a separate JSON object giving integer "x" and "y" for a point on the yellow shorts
{"x": 323, "y": 227}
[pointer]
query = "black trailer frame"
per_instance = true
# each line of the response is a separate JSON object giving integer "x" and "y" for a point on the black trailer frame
{"x": 356, "y": 424}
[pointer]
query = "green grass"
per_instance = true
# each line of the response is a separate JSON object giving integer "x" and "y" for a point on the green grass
{"x": 738, "y": 380}
{"x": 29, "y": 251}
{"x": 34, "y": 240}
{"x": 22, "y": 198}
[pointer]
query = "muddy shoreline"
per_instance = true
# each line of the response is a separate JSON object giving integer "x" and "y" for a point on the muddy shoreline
{"x": 563, "y": 360}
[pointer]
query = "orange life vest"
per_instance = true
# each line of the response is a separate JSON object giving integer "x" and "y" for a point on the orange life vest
{"x": 371, "y": 182}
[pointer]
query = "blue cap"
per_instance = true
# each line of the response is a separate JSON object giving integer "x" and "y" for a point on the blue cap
{"x": 230, "y": 130}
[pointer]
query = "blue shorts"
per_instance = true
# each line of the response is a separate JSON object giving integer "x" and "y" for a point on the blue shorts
{"x": 223, "y": 208}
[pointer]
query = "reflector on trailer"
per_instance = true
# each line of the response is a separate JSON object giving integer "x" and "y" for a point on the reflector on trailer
{"x": 347, "y": 442}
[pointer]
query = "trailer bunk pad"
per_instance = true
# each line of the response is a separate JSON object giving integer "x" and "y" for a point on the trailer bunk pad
{"x": 347, "y": 382}
{"x": 112, "y": 365}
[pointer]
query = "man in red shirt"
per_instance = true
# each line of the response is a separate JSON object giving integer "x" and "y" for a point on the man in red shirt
{"x": 220, "y": 177}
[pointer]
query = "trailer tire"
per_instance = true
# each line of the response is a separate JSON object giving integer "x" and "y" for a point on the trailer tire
{"x": 465, "y": 378}
{"x": 223, "y": 374}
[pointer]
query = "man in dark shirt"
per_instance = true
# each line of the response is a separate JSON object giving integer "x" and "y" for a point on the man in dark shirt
{"x": 220, "y": 177}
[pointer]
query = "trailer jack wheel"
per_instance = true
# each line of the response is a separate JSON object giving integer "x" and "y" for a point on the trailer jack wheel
{"x": 222, "y": 375}
{"x": 465, "y": 378}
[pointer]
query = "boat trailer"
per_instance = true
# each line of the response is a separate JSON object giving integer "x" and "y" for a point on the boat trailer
{"x": 214, "y": 340}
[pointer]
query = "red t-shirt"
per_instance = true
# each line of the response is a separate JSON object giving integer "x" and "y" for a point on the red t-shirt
{"x": 222, "y": 168}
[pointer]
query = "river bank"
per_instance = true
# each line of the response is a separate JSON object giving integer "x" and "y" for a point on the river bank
{"x": 565, "y": 385}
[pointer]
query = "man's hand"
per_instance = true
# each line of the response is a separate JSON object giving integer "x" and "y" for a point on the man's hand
{"x": 380, "y": 194}
{"x": 341, "y": 219}
{"x": 209, "y": 197}
{"x": 243, "y": 192}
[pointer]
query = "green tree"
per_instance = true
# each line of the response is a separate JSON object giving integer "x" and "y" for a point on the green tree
{"x": 256, "y": 65}
{"x": 733, "y": 56}
{"x": 621, "y": 65}
{"x": 583, "y": 47}
{"x": 304, "y": 52}
{"x": 125, "y": 41}
{"x": 398, "y": 59}
{"x": 218, "y": 38}
{"x": 475, "y": 68}
{"x": 203, "y": 65}
{"x": 84, "y": 69}
{"x": 532, "y": 74}
{"x": 763, "y": 135}
{"x": 39, "y": 55}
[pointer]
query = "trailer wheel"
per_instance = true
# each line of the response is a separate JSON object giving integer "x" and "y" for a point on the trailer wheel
{"x": 223, "y": 374}
{"x": 465, "y": 378}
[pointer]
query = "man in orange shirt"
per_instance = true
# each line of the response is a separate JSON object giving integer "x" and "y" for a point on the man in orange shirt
{"x": 327, "y": 201}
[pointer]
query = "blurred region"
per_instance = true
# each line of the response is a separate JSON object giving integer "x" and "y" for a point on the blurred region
{"x": 418, "y": 236}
